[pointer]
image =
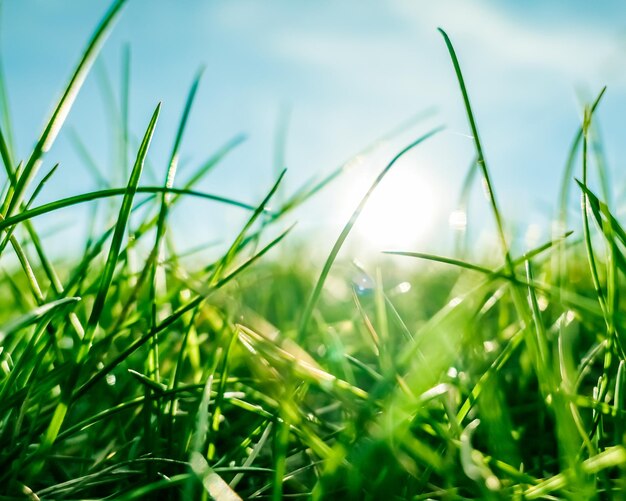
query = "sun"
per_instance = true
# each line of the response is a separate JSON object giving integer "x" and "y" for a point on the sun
{"x": 401, "y": 212}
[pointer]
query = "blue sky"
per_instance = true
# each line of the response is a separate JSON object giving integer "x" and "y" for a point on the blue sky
{"x": 349, "y": 72}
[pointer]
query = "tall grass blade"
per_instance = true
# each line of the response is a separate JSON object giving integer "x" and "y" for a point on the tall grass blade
{"x": 480, "y": 157}
{"x": 118, "y": 236}
{"x": 105, "y": 283}
{"x": 214, "y": 485}
{"x": 33, "y": 316}
{"x": 63, "y": 107}
{"x": 113, "y": 192}
{"x": 174, "y": 317}
{"x": 317, "y": 291}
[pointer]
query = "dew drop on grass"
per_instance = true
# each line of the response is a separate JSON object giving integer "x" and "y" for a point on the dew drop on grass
{"x": 363, "y": 283}
{"x": 402, "y": 288}
{"x": 110, "y": 379}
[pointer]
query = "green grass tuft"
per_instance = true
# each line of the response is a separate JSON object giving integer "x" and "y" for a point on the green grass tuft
{"x": 132, "y": 373}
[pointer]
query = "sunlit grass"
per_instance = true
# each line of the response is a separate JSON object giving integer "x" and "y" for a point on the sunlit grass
{"x": 130, "y": 373}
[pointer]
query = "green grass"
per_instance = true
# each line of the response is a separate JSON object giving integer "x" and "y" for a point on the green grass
{"x": 129, "y": 373}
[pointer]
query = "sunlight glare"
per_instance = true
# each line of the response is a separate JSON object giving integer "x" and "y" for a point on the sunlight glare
{"x": 458, "y": 220}
{"x": 400, "y": 213}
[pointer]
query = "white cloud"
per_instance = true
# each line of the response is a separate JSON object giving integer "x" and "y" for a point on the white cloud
{"x": 575, "y": 50}
{"x": 569, "y": 47}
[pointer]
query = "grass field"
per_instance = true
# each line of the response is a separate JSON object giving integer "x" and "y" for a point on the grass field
{"x": 135, "y": 372}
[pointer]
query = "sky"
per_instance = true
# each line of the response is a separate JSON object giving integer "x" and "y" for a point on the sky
{"x": 341, "y": 75}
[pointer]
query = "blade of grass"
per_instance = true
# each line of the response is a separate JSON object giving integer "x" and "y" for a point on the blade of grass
{"x": 174, "y": 317}
{"x": 569, "y": 167}
{"x": 63, "y": 107}
{"x": 219, "y": 399}
{"x": 214, "y": 160}
{"x": 482, "y": 269}
{"x": 33, "y": 283}
{"x": 559, "y": 263}
{"x": 480, "y": 160}
{"x": 236, "y": 245}
{"x": 156, "y": 257}
{"x": 99, "y": 302}
{"x": 124, "y": 107}
{"x": 461, "y": 241}
{"x": 611, "y": 457}
{"x": 113, "y": 192}
{"x": 312, "y": 187}
{"x": 317, "y": 291}
{"x": 213, "y": 483}
{"x": 118, "y": 236}
{"x": 586, "y": 229}
{"x": 7, "y": 160}
{"x": 33, "y": 316}
{"x": 253, "y": 454}
{"x": 570, "y": 299}
{"x": 87, "y": 158}
{"x": 607, "y": 300}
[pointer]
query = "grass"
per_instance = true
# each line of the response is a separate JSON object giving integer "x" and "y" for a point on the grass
{"x": 131, "y": 374}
